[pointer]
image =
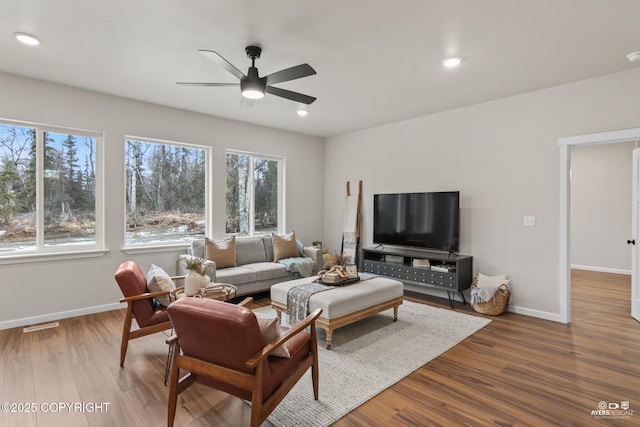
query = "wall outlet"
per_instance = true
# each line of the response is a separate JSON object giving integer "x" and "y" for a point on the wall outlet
{"x": 529, "y": 221}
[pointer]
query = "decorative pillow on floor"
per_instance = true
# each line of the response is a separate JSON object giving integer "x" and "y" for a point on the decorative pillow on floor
{"x": 157, "y": 281}
{"x": 223, "y": 252}
{"x": 270, "y": 331}
{"x": 284, "y": 246}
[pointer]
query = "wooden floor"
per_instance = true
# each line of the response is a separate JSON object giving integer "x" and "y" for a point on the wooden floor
{"x": 518, "y": 371}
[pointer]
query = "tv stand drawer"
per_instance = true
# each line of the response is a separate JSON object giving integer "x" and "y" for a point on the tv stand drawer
{"x": 456, "y": 274}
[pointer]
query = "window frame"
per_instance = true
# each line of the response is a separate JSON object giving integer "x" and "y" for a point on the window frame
{"x": 171, "y": 245}
{"x": 61, "y": 252}
{"x": 281, "y": 192}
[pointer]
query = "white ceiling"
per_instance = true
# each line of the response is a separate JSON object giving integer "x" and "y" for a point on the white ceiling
{"x": 377, "y": 61}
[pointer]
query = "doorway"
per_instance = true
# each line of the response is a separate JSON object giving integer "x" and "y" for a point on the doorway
{"x": 565, "y": 222}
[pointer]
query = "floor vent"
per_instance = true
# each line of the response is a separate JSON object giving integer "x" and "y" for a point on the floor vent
{"x": 40, "y": 327}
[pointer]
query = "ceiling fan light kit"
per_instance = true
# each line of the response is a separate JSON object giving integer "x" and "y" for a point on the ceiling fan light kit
{"x": 252, "y": 86}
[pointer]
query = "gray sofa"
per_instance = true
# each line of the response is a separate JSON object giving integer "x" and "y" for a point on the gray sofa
{"x": 255, "y": 271}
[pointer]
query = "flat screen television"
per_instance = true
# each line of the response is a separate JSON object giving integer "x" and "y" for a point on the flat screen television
{"x": 423, "y": 220}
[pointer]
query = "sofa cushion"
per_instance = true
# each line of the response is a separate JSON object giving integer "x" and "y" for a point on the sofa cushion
{"x": 267, "y": 270}
{"x": 158, "y": 281}
{"x": 223, "y": 252}
{"x": 250, "y": 250}
{"x": 268, "y": 246}
{"x": 284, "y": 246}
{"x": 235, "y": 275}
{"x": 197, "y": 248}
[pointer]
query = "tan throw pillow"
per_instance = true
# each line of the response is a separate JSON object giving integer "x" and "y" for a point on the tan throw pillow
{"x": 157, "y": 281}
{"x": 270, "y": 330}
{"x": 284, "y": 246}
{"x": 223, "y": 252}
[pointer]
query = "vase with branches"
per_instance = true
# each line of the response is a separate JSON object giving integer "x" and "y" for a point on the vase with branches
{"x": 196, "y": 278}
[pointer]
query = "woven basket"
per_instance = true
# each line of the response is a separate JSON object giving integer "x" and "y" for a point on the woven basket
{"x": 497, "y": 305}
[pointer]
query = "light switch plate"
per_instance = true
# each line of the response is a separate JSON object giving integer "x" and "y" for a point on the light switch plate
{"x": 529, "y": 221}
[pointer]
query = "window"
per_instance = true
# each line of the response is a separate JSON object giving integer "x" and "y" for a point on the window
{"x": 253, "y": 194}
{"x": 165, "y": 192}
{"x": 48, "y": 182}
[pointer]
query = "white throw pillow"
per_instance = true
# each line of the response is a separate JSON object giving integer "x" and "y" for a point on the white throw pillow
{"x": 270, "y": 330}
{"x": 483, "y": 281}
{"x": 157, "y": 281}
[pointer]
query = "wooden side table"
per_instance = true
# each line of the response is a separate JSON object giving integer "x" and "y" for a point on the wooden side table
{"x": 218, "y": 291}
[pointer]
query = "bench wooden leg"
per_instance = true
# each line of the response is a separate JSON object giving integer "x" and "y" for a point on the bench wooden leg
{"x": 395, "y": 312}
{"x": 329, "y": 338}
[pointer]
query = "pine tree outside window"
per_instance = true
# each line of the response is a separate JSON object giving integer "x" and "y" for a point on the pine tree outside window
{"x": 165, "y": 194}
{"x": 48, "y": 189}
{"x": 254, "y": 196}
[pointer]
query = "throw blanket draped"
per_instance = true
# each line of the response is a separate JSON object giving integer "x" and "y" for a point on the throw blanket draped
{"x": 298, "y": 300}
{"x": 300, "y": 265}
{"x": 479, "y": 295}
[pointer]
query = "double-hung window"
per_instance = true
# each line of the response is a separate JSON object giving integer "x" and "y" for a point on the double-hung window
{"x": 166, "y": 192}
{"x": 254, "y": 196}
{"x": 50, "y": 189}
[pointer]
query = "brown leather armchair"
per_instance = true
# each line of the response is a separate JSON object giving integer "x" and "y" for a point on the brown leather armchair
{"x": 150, "y": 319}
{"x": 221, "y": 346}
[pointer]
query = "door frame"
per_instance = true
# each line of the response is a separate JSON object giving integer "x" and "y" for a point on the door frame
{"x": 566, "y": 143}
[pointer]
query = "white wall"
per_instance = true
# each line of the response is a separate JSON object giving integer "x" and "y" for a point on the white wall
{"x": 601, "y": 207}
{"x": 37, "y": 291}
{"x": 503, "y": 157}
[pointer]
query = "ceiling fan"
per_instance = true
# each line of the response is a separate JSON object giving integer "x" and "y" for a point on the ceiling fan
{"x": 252, "y": 86}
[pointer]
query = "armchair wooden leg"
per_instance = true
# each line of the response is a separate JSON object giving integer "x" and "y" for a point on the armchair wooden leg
{"x": 173, "y": 386}
{"x": 314, "y": 367}
{"x": 125, "y": 335}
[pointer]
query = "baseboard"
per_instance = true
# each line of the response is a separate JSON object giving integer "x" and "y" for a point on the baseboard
{"x": 545, "y": 315}
{"x": 601, "y": 269}
{"x": 26, "y": 321}
{"x": 554, "y": 317}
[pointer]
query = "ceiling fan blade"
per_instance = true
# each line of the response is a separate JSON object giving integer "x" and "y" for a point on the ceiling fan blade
{"x": 294, "y": 96}
{"x": 215, "y": 57}
{"x": 207, "y": 84}
{"x": 293, "y": 73}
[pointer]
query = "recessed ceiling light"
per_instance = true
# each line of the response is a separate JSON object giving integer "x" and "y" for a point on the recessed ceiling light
{"x": 302, "y": 112}
{"x": 451, "y": 62}
{"x": 28, "y": 39}
{"x": 634, "y": 57}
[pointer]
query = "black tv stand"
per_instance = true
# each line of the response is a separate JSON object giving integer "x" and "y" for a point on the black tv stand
{"x": 421, "y": 269}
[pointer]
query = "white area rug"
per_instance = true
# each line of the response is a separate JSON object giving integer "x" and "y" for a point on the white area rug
{"x": 369, "y": 356}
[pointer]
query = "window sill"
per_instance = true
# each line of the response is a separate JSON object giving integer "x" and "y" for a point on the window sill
{"x": 51, "y": 256}
{"x": 155, "y": 248}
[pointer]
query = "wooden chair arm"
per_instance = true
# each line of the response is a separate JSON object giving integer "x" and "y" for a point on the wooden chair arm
{"x": 146, "y": 295}
{"x": 245, "y": 302}
{"x": 269, "y": 348}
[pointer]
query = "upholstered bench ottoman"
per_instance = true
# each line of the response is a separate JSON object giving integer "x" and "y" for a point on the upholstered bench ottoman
{"x": 345, "y": 304}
